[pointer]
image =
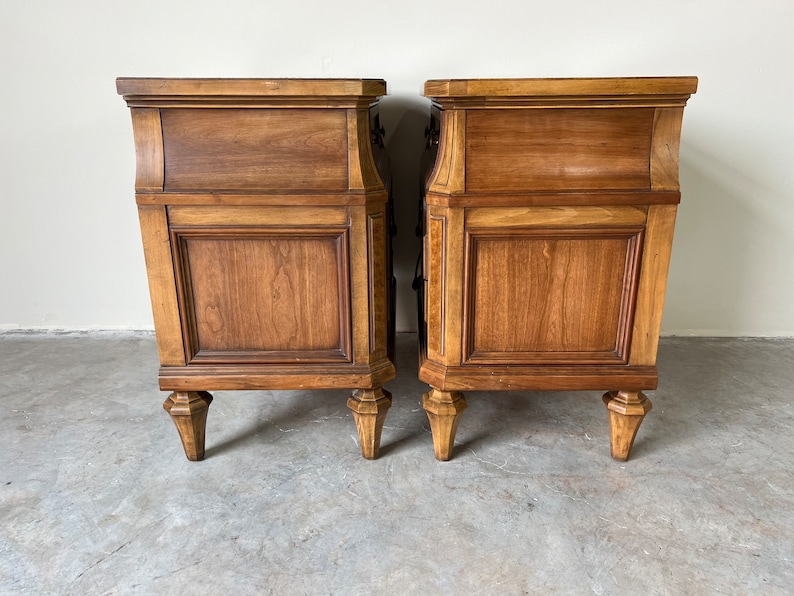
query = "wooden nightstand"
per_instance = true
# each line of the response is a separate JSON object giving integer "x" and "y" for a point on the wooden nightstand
{"x": 548, "y": 224}
{"x": 266, "y": 231}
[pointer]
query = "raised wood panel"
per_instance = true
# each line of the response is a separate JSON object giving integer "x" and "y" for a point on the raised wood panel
{"x": 435, "y": 255}
{"x": 359, "y": 284}
{"x": 238, "y": 149}
{"x": 264, "y": 296}
{"x": 552, "y": 296}
{"x": 378, "y": 280}
{"x": 558, "y": 149}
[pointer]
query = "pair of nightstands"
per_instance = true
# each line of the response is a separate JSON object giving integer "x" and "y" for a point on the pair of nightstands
{"x": 547, "y": 226}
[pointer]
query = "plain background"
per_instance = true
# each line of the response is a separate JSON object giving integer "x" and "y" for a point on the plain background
{"x": 70, "y": 251}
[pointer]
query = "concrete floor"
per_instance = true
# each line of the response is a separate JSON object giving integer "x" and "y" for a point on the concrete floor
{"x": 96, "y": 496}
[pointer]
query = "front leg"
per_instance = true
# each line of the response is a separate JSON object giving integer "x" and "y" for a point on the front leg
{"x": 369, "y": 408}
{"x": 188, "y": 410}
{"x": 444, "y": 409}
{"x": 626, "y": 409}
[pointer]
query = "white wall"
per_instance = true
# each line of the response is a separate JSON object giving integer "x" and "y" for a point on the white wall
{"x": 70, "y": 254}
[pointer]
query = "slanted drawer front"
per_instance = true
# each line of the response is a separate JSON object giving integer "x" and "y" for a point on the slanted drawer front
{"x": 257, "y": 149}
{"x": 558, "y": 149}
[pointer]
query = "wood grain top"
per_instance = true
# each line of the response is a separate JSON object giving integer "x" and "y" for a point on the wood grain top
{"x": 156, "y": 91}
{"x": 249, "y": 87}
{"x": 565, "y": 87}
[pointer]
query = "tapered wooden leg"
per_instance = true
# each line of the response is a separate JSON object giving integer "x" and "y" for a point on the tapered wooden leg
{"x": 626, "y": 412}
{"x": 444, "y": 409}
{"x": 369, "y": 411}
{"x": 188, "y": 410}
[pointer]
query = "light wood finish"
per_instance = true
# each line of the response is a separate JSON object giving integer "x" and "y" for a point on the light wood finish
{"x": 362, "y": 170}
{"x": 369, "y": 407}
{"x": 444, "y": 257}
{"x": 652, "y": 284}
{"x": 569, "y": 295}
{"x": 517, "y": 149}
{"x": 444, "y": 409}
{"x": 664, "y": 148}
{"x": 377, "y": 238}
{"x": 537, "y": 377}
{"x": 256, "y": 215}
{"x": 627, "y": 410}
{"x": 605, "y": 198}
{"x": 548, "y": 221}
{"x": 554, "y": 217}
{"x": 266, "y": 222}
{"x": 449, "y": 175}
{"x": 564, "y": 92}
{"x": 250, "y": 376}
{"x": 227, "y": 198}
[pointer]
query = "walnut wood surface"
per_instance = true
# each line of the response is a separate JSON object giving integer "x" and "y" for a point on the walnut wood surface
{"x": 267, "y": 296}
{"x": 369, "y": 407}
{"x": 265, "y": 221}
{"x": 298, "y": 216}
{"x": 585, "y": 216}
{"x": 569, "y": 295}
{"x": 444, "y": 409}
{"x": 652, "y": 284}
{"x": 266, "y": 149}
{"x": 319, "y": 90}
{"x": 162, "y": 284}
{"x": 540, "y": 377}
{"x": 558, "y": 149}
{"x": 627, "y": 410}
{"x": 604, "y": 198}
{"x": 247, "y": 376}
{"x": 265, "y": 198}
{"x": 148, "y": 132}
{"x": 562, "y": 90}
{"x": 548, "y": 223}
{"x": 188, "y": 410}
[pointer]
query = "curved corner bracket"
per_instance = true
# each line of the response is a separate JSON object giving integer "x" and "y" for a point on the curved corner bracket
{"x": 449, "y": 176}
{"x": 149, "y": 156}
{"x": 665, "y": 147}
{"x": 362, "y": 170}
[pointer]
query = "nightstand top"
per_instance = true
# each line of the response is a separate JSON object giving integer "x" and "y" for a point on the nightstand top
{"x": 565, "y": 87}
{"x": 155, "y": 90}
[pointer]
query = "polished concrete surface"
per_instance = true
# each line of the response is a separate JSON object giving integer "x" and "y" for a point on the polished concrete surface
{"x": 96, "y": 496}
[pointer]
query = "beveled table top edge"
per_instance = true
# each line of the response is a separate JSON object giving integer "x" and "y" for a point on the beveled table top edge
{"x": 561, "y": 87}
{"x": 249, "y": 87}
